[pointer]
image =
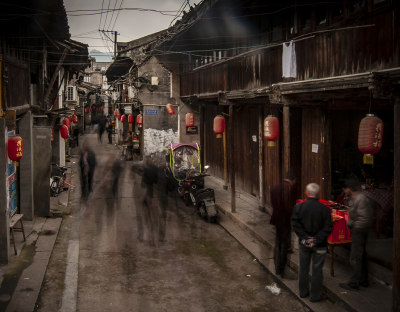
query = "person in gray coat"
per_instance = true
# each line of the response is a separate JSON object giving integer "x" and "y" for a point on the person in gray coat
{"x": 361, "y": 210}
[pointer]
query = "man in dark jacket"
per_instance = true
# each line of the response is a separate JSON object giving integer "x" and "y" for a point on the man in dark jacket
{"x": 361, "y": 210}
{"x": 312, "y": 223}
{"x": 283, "y": 199}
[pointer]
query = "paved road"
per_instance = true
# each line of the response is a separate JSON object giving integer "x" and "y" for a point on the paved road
{"x": 119, "y": 255}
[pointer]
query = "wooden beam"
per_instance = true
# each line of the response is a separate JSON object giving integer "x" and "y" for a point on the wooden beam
{"x": 54, "y": 77}
{"x": 232, "y": 158}
{"x": 261, "y": 200}
{"x": 286, "y": 139}
{"x": 396, "y": 204}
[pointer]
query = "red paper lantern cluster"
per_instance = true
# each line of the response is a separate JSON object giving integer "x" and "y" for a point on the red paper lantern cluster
{"x": 219, "y": 125}
{"x": 271, "y": 129}
{"x": 170, "y": 109}
{"x": 189, "y": 119}
{"x": 139, "y": 120}
{"x": 14, "y": 147}
{"x": 67, "y": 122}
{"x": 64, "y": 132}
{"x": 74, "y": 118}
{"x": 370, "y": 136}
{"x": 130, "y": 118}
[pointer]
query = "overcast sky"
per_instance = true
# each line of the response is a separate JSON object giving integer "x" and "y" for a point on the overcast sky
{"x": 130, "y": 24}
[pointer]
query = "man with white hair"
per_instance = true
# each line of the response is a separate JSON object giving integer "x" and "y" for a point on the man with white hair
{"x": 312, "y": 223}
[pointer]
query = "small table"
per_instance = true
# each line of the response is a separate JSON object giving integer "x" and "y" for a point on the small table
{"x": 331, "y": 247}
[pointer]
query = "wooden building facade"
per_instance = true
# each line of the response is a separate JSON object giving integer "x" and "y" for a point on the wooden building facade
{"x": 319, "y": 67}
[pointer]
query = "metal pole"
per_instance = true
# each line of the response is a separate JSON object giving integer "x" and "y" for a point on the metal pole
{"x": 225, "y": 162}
{"x": 232, "y": 160}
{"x": 115, "y": 44}
{"x": 396, "y": 205}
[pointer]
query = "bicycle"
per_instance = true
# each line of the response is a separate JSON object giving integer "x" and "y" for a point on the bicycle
{"x": 57, "y": 182}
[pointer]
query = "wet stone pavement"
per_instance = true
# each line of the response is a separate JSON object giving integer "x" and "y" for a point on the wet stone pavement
{"x": 158, "y": 255}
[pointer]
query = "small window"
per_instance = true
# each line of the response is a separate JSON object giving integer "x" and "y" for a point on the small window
{"x": 306, "y": 20}
{"x": 357, "y": 5}
{"x": 337, "y": 12}
{"x": 320, "y": 15}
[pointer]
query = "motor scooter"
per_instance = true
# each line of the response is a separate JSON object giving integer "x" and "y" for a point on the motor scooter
{"x": 203, "y": 199}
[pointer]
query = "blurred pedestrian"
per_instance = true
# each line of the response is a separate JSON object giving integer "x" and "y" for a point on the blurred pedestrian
{"x": 312, "y": 223}
{"x": 116, "y": 170}
{"x": 109, "y": 128}
{"x": 87, "y": 163}
{"x": 102, "y": 126}
{"x": 283, "y": 199}
{"x": 361, "y": 210}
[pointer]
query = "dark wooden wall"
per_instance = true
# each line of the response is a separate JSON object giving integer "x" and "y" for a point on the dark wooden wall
{"x": 247, "y": 155}
{"x": 315, "y": 166}
{"x": 345, "y": 50}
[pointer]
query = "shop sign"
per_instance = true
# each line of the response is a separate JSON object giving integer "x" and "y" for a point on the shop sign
{"x": 191, "y": 130}
{"x": 151, "y": 111}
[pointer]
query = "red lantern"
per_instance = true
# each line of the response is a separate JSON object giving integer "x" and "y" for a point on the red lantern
{"x": 219, "y": 126}
{"x": 123, "y": 118}
{"x": 52, "y": 135}
{"x": 116, "y": 112}
{"x": 370, "y": 136}
{"x": 14, "y": 147}
{"x": 119, "y": 116}
{"x": 189, "y": 119}
{"x": 170, "y": 109}
{"x": 67, "y": 122}
{"x": 86, "y": 110}
{"x": 64, "y": 132}
{"x": 139, "y": 120}
{"x": 74, "y": 118}
{"x": 271, "y": 129}
{"x": 130, "y": 118}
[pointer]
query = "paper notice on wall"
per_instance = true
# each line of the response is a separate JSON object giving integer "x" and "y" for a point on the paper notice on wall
{"x": 314, "y": 148}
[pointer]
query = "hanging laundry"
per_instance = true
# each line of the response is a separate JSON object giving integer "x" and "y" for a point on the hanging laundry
{"x": 289, "y": 68}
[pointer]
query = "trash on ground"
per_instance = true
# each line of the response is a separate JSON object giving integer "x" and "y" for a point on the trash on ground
{"x": 248, "y": 275}
{"x": 254, "y": 260}
{"x": 274, "y": 289}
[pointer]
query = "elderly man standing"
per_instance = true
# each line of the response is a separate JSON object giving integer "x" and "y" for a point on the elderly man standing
{"x": 361, "y": 210}
{"x": 312, "y": 223}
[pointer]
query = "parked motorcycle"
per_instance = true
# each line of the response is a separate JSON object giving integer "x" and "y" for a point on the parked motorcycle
{"x": 183, "y": 172}
{"x": 203, "y": 199}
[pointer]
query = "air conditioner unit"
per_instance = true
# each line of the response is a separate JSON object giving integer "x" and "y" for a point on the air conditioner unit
{"x": 71, "y": 94}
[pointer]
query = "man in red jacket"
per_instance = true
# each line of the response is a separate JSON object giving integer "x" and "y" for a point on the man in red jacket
{"x": 282, "y": 201}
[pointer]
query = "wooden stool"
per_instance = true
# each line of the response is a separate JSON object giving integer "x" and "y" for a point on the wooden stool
{"x": 13, "y": 221}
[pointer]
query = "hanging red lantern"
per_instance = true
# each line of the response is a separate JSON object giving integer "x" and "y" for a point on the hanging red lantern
{"x": 189, "y": 119}
{"x": 67, "y": 122}
{"x": 370, "y": 136}
{"x": 123, "y": 118}
{"x": 170, "y": 109}
{"x": 271, "y": 129}
{"x": 74, "y": 118}
{"x": 130, "y": 118}
{"x": 52, "y": 135}
{"x": 139, "y": 120}
{"x": 86, "y": 110}
{"x": 116, "y": 112}
{"x": 64, "y": 132}
{"x": 14, "y": 147}
{"x": 219, "y": 126}
{"x": 119, "y": 116}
